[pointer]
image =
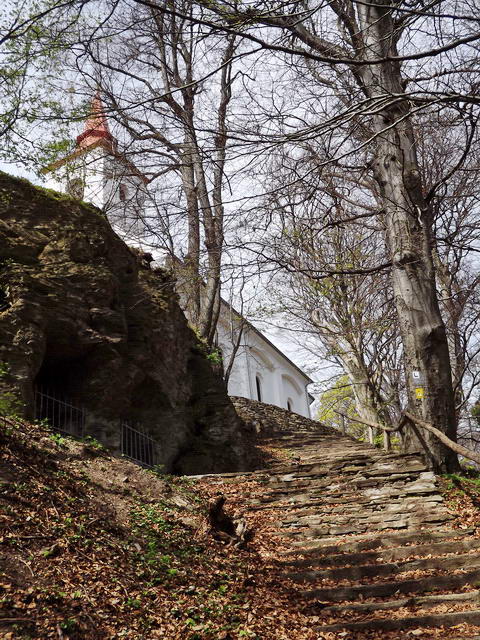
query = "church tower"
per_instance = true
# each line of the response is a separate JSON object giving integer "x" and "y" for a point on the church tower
{"x": 98, "y": 173}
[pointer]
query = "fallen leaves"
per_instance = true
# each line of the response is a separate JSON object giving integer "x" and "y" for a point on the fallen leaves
{"x": 97, "y": 548}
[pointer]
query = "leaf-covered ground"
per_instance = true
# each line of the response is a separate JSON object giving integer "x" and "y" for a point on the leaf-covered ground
{"x": 462, "y": 493}
{"x": 96, "y": 547}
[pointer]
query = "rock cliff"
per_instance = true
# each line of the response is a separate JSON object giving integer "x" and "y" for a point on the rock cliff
{"x": 82, "y": 314}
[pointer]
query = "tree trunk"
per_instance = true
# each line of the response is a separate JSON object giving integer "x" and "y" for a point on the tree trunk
{"x": 192, "y": 281}
{"x": 408, "y": 223}
{"x": 364, "y": 398}
{"x": 455, "y": 297}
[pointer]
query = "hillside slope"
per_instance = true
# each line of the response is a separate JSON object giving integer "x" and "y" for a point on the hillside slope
{"x": 95, "y": 547}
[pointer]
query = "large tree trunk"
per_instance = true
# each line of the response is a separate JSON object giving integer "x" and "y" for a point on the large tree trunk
{"x": 408, "y": 223}
{"x": 366, "y": 398}
{"x": 192, "y": 281}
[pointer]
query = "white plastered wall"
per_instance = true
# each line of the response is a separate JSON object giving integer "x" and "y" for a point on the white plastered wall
{"x": 279, "y": 379}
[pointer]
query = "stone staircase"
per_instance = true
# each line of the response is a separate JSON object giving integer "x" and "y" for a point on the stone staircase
{"x": 370, "y": 542}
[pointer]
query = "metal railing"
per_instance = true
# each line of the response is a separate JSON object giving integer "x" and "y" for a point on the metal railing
{"x": 64, "y": 417}
{"x": 138, "y": 446}
{"x": 60, "y": 413}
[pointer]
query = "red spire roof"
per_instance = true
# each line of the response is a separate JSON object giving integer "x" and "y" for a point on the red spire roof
{"x": 96, "y": 127}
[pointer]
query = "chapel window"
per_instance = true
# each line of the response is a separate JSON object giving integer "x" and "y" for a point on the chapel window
{"x": 123, "y": 192}
{"x": 259, "y": 388}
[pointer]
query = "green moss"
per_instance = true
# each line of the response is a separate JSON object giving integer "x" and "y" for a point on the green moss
{"x": 43, "y": 191}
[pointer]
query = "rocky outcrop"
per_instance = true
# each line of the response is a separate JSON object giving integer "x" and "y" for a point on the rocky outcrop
{"x": 83, "y": 314}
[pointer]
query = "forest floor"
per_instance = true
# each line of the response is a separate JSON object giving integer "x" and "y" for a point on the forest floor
{"x": 95, "y": 547}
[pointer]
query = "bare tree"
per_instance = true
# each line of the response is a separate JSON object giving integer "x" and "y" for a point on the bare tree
{"x": 169, "y": 93}
{"x": 351, "y": 311}
{"x": 178, "y": 123}
{"x": 375, "y": 46}
{"x": 373, "y": 72}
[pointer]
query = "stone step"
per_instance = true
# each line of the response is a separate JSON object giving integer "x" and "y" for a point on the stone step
{"x": 386, "y": 540}
{"x": 334, "y": 526}
{"x": 341, "y": 489}
{"x": 367, "y": 511}
{"x": 374, "y": 522}
{"x": 470, "y": 560}
{"x": 368, "y": 468}
{"x": 414, "y": 601}
{"x": 387, "y": 589}
{"x": 288, "y": 482}
{"x": 317, "y": 494}
{"x": 394, "y": 624}
{"x": 362, "y": 506}
{"x": 407, "y": 503}
{"x": 354, "y": 458}
{"x": 312, "y": 558}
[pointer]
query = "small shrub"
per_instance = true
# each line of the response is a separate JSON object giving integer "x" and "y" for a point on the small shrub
{"x": 58, "y": 439}
{"x": 215, "y": 357}
{"x": 133, "y": 603}
{"x": 69, "y": 625}
{"x": 93, "y": 443}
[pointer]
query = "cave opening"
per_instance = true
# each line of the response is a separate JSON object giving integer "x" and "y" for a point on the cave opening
{"x": 57, "y": 395}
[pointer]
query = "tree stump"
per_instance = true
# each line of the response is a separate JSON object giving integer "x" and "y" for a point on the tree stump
{"x": 232, "y": 530}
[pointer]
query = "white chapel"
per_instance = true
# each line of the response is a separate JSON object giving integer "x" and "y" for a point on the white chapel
{"x": 99, "y": 173}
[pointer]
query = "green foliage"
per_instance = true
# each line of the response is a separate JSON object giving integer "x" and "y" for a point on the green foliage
{"x": 212, "y": 354}
{"x": 339, "y": 398}
{"x": 58, "y": 439}
{"x": 54, "y": 150}
{"x": 133, "y": 603}
{"x": 378, "y": 440}
{"x": 150, "y": 518}
{"x": 44, "y": 422}
{"x": 215, "y": 357}
{"x": 158, "y": 470}
{"x": 69, "y": 625}
{"x": 322, "y": 287}
{"x": 32, "y": 63}
{"x": 4, "y": 369}
{"x": 464, "y": 483}
{"x": 149, "y": 522}
{"x": 93, "y": 443}
{"x": 475, "y": 411}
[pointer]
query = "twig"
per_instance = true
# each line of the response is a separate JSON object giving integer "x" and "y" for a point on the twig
{"x": 27, "y": 565}
{"x": 16, "y": 620}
